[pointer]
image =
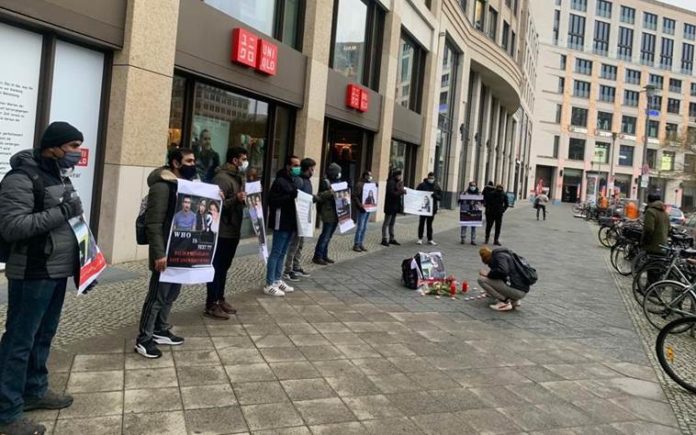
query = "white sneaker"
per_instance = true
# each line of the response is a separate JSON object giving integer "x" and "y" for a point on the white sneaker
{"x": 282, "y": 286}
{"x": 432, "y": 242}
{"x": 501, "y": 306}
{"x": 272, "y": 290}
{"x": 419, "y": 242}
{"x": 516, "y": 304}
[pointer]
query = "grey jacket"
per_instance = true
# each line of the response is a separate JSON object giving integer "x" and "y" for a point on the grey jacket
{"x": 231, "y": 182}
{"x": 42, "y": 243}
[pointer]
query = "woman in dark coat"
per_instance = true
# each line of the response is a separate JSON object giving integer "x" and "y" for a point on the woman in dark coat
{"x": 392, "y": 206}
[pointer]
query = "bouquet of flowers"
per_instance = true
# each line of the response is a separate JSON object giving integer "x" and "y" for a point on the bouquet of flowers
{"x": 440, "y": 286}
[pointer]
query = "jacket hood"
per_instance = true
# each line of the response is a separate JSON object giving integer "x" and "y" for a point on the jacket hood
{"x": 161, "y": 174}
{"x": 229, "y": 168}
{"x": 333, "y": 170}
{"x": 23, "y": 158}
{"x": 659, "y": 205}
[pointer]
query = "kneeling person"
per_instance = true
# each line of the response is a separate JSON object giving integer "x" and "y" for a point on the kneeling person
{"x": 502, "y": 281}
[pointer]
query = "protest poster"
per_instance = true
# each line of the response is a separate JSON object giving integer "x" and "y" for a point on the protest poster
{"x": 305, "y": 217}
{"x": 193, "y": 234}
{"x": 342, "y": 199}
{"x": 418, "y": 202}
{"x": 470, "y": 213}
{"x": 369, "y": 197}
{"x": 255, "y": 206}
{"x": 92, "y": 261}
{"x": 432, "y": 266}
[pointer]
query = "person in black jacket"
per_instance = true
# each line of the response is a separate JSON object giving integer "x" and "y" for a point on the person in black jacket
{"x": 486, "y": 192}
{"x": 429, "y": 185}
{"x": 502, "y": 281}
{"x": 293, "y": 262}
{"x": 496, "y": 203}
{"x": 282, "y": 219}
{"x": 392, "y": 206}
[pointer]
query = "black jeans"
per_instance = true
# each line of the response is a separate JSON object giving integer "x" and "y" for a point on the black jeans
{"x": 423, "y": 221}
{"x": 158, "y": 304}
{"x": 492, "y": 218}
{"x": 224, "y": 254}
{"x": 33, "y": 313}
{"x": 541, "y": 208}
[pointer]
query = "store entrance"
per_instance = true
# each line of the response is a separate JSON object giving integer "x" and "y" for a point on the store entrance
{"x": 348, "y": 146}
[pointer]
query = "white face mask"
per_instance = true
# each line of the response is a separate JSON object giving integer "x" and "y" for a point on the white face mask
{"x": 338, "y": 176}
{"x": 245, "y": 166}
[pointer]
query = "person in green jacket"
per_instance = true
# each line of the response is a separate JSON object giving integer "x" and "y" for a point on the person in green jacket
{"x": 326, "y": 205}
{"x": 655, "y": 225}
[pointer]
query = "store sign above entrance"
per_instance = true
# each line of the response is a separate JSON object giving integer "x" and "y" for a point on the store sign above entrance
{"x": 254, "y": 52}
{"x": 357, "y": 98}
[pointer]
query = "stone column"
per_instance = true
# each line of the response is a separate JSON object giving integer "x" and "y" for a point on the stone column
{"x": 492, "y": 142}
{"x": 472, "y": 148}
{"x": 483, "y": 137}
{"x": 139, "y": 108}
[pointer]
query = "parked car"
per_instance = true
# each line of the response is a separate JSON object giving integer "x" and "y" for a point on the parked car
{"x": 690, "y": 225}
{"x": 676, "y": 216}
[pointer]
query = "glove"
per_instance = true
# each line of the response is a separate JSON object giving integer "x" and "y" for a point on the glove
{"x": 71, "y": 207}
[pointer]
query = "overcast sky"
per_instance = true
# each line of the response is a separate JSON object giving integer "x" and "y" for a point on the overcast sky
{"x": 686, "y": 4}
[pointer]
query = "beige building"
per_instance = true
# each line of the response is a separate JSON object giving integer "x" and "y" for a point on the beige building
{"x": 597, "y": 57}
{"x": 416, "y": 85}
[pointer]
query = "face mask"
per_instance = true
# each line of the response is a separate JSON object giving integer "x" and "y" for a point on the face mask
{"x": 431, "y": 180}
{"x": 188, "y": 172}
{"x": 245, "y": 166}
{"x": 66, "y": 172}
{"x": 369, "y": 178}
{"x": 338, "y": 176}
{"x": 70, "y": 159}
{"x": 295, "y": 171}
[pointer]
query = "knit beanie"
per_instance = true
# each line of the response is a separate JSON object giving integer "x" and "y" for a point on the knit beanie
{"x": 59, "y": 133}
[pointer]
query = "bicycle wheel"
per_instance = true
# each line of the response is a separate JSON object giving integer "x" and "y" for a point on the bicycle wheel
{"x": 668, "y": 300}
{"x": 649, "y": 274}
{"x": 639, "y": 261}
{"x": 616, "y": 251}
{"x": 624, "y": 260}
{"x": 602, "y": 234}
{"x": 676, "y": 351}
{"x": 612, "y": 237}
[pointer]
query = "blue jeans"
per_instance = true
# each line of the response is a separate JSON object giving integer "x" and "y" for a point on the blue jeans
{"x": 463, "y": 233}
{"x": 322, "y": 248}
{"x": 33, "y": 313}
{"x": 363, "y": 217}
{"x": 276, "y": 258}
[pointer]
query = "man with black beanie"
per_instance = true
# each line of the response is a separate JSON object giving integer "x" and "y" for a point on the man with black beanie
{"x": 40, "y": 251}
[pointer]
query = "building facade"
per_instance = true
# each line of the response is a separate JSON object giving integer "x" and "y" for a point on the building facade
{"x": 376, "y": 85}
{"x": 614, "y": 76}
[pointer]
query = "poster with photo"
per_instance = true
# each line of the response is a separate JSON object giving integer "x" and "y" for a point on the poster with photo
{"x": 254, "y": 204}
{"x": 305, "y": 215}
{"x": 193, "y": 234}
{"x": 470, "y": 213}
{"x": 432, "y": 266}
{"x": 369, "y": 198}
{"x": 418, "y": 202}
{"x": 342, "y": 199}
{"x": 92, "y": 261}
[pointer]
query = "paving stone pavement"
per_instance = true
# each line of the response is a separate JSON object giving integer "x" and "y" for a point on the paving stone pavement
{"x": 351, "y": 351}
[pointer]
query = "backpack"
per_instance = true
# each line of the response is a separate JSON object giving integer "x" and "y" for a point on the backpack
{"x": 140, "y": 227}
{"x": 410, "y": 273}
{"x": 527, "y": 272}
{"x": 39, "y": 193}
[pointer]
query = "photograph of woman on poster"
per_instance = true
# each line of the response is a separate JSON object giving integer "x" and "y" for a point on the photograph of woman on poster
{"x": 214, "y": 213}
{"x": 203, "y": 219}
{"x": 370, "y": 200}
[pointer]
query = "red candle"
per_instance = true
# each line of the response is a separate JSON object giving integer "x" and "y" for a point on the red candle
{"x": 465, "y": 287}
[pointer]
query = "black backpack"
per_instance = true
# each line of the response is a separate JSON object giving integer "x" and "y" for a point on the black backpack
{"x": 140, "y": 227}
{"x": 528, "y": 273}
{"x": 39, "y": 193}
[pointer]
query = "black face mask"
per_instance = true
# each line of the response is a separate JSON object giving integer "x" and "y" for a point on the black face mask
{"x": 69, "y": 159}
{"x": 188, "y": 172}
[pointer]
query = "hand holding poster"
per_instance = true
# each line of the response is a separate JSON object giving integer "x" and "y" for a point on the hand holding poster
{"x": 92, "y": 261}
{"x": 255, "y": 207}
{"x": 342, "y": 198}
{"x": 193, "y": 235}
{"x": 418, "y": 202}
{"x": 305, "y": 217}
{"x": 470, "y": 214}
{"x": 369, "y": 197}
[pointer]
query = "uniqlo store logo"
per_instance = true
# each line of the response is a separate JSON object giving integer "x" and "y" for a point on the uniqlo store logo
{"x": 254, "y": 52}
{"x": 357, "y": 98}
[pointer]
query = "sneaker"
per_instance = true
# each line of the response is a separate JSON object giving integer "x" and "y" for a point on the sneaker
{"x": 50, "y": 400}
{"x": 432, "y": 242}
{"x": 23, "y": 426}
{"x": 497, "y": 243}
{"x": 329, "y": 261}
{"x": 356, "y": 248}
{"x": 148, "y": 349}
{"x": 419, "y": 242}
{"x": 229, "y": 309}
{"x": 473, "y": 243}
{"x": 282, "y": 286}
{"x": 216, "y": 312}
{"x": 516, "y": 304}
{"x": 394, "y": 242}
{"x": 362, "y": 248}
{"x": 301, "y": 273}
{"x": 385, "y": 242}
{"x": 290, "y": 276}
{"x": 167, "y": 338}
{"x": 501, "y": 306}
{"x": 272, "y": 290}
{"x": 319, "y": 261}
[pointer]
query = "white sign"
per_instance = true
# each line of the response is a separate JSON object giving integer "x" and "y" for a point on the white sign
{"x": 369, "y": 197}
{"x": 305, "y": 217}
{"x": 342, "y": 200}
{"x": 418, "y": 202}
{"x": 255, "y": 206}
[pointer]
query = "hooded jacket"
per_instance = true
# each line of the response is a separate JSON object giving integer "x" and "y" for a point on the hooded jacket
{"x": 655, "y": 227}
{"x": 281, "y": 203}
{"x": 231, "y": 182}
{"x": 496, "y": 203}
{"x": 503, "y": 267}
{"x": 432, "y": 187}
{"x": 161, "y": 206}
{"x": 326, "y": 204}
{"x": 42, "y": 243}
{"x": 486, "y": 192}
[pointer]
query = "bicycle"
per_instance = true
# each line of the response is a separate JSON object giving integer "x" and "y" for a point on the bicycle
{"x": 667, "y": 300}
{"x": 672, "y": 266}
{"x": 676, "y": 351}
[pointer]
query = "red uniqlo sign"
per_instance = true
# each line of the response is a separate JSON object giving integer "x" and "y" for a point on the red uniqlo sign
{"x": 364, "y": 100}
{"x": 357, "y": 98}
{"x": 267, "y": 57}
{"x": 244, "y": 47}
{"x": 84, "y": 158}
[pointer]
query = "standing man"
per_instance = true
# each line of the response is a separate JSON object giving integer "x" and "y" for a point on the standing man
{"x": 230, "y": 180}
{"x": 282, "y": 219}
{"x": 363, "y": 215}
{"x": 655, "y": 226}
{"x": 392, "y": 206}
{"x": 326, "y": 204}
{"x": 496, "y": 204}
{"x": 154, "y": 326}
{"x": 429, "y": 185}
{"x": 469, "y": 206}
{"x": 207, "y": 159}
{"x": 487, "y": 192}
{"x": 42, "y": 254}
{"x": 293, "y": 262}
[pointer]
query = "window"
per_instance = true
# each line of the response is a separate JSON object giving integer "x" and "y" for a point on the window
{"x": 626, "y": 155}
{"x": 564, "y": 60}
{"x": 631, "y": 98}
{"x": 628, "y": 15}
{"x": 583, "y": 66}
{"x": 579, "y": 5}
{"x": 628, "y": 125}
{"x": 578, "y": 117}
{"x": 443, "y": 143}
{"x": 492, "y": 23}
{"x": 561, "y": 85}
{"x": 356, "y": 37}
{"x": 652, "y": 158}
{"x": 693, "y": 89}
{"x": 604, "y": 121}
{"x": 653, "y": 128}
{"x": 692, "y": 110}
{"x": 666, "y": 54}
{"x": 689, "y": 32}
{"x": 513, "y": 43}
{"x": 581, "y": 89}
{"x": 603, "y": 8}
{"x": 657, "y": 80}
{"x": 655, "y": 102}
{"x": 556, "y": 146}
{"x": 689, "y": 163}
{"x": 649, "y": 21}
{"x": 607, "y": 93}
{"x": 601, "y": 152}
{"x": 601, "y": 37}
{"x": 668, "y": 25}
{"x": 667, "y": 161}
{"x": 671, "y": 132}
{"x": 608, "y": 72}
{"x": 632, "y": 76}
{"x": 409, "y": 73}
{"x": 556, "y": 25}
{"x": 463, "y": 5}
{"x": 505, "y": 36}
{"x": 625, "y": 44}
{"x": 576, "y": 32}
{"x": 675, "y": 85}
{"x": 559, "y": 113}
{"x": 576, "y": 149}
{"x": 647, "y": 49}
{"x": 479, "y": 14}
{"x": 687, "y": 63}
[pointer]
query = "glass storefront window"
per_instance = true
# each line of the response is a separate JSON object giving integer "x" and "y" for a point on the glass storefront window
{"x": 259, "y": 14}
{"x": 445, "y": 110}
{"x": 350, "y": 39}
{"x": 291, "y": 15}
{"x": 176, "y": 115}
{"x": 404, "y": 71}
{"x": 401, "y": 156}
{"x": 281, "y": 137}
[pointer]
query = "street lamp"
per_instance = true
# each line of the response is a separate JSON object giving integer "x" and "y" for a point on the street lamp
{"x": 644, "y": 170}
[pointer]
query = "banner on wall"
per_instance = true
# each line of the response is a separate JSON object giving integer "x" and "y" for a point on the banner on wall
{"x": 255, "y": 206}
{"x": 193, "y": 234}
{"x": 470, "y": 213}
{"x": 369, "y": 198}
{"x": 418, "y": 202}
{"x": 342, "y": 200}
{"x": 305, "y": 216}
